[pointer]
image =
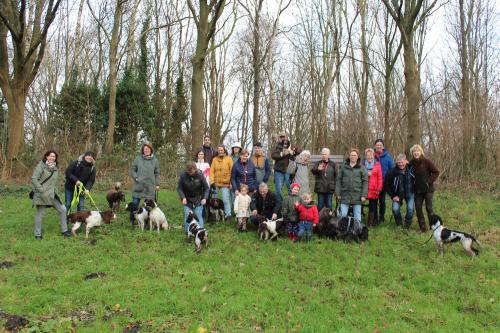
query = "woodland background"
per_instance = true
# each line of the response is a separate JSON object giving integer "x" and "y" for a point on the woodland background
{"x": 106, "y": 74}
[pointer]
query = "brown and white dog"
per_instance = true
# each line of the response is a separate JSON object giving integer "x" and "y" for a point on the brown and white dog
{"x": 91, "y": 219}
{"x": 443, "y": 235}
{"x": 114, "y": 197}
{"x": 270, "y": 228}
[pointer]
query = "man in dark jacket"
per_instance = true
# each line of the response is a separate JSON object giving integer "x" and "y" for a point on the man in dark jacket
{"x": 82, "y": 171}
{"x": 208, "y": 150}
{"x": 193, "y": 191}
{"x": 264, "y": 203}
{"x": 281, "y": 155}
{"x": 325, "y": 173}
{"x": 387, "y": 164}
{"x": 399, "y": 185}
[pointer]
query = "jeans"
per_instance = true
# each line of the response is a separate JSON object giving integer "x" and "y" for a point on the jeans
{"x": 396, "y": 208}
{"x": 226, "y": 198}
{"x": 198, "y": 211}
{"x": 68, "y": 197}
{"x": 324, "y": 200}
{"x": 304, "y": 226}
{"x": 356, "y": 209}
{"x": 281, "y": 179}
{"x": 40, "y": 211}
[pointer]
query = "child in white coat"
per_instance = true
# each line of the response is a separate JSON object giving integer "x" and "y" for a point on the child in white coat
{"x": 242, "y": 207}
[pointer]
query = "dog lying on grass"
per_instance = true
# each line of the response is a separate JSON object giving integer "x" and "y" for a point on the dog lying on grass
{"x": 442, "y": 235}
{"x": 91, "y": 219}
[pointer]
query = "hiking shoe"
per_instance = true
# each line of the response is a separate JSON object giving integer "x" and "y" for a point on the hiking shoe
{"x": 39, "y": 237}
{"x": 67, "y": 233}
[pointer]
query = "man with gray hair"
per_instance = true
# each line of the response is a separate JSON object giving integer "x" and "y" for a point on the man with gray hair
{"x": 264, "y": 203}
{"x": 399, "y": 185}
{"x": 325, "y": 173}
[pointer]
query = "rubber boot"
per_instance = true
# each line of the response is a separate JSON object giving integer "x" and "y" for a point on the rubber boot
{"x": 421, "y": 225}
{"x": 399, "y": 220}
{"x": 408, "y": 223}
{"x": 371, "y": 219}
{"x": 290, "y": 235}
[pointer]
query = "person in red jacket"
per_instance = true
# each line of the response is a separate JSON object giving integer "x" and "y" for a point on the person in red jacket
{"x": 375, "y": 184}
{"x": 308, "y": 215}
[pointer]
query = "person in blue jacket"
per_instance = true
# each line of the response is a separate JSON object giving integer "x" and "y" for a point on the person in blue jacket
{"x": 387, "y": 164}
{"x": 243, "y": 172}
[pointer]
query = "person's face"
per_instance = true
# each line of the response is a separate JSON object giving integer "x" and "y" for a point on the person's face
{"x": 244, "y": 190}
{"x": 88, "y": 159}
{"x": 244, "y": 158}
{"x": 295, "y": 190}
{"x": 201, "y": 155}
{"x": 282, "y": 138}
{"x": 369, "y": 156}
{"x": 258, "y": 150}
{"x": 51, "y": 158}
{"x": 417, "y": 153}
{"x": 307, "y": 199}
{"x": 353, "y": 157}
{"x": 263, "y": 191}
{"x": 236, "y": 150}
{"x": 221, "y": 151}
{"x": 401, "y": 164}
{"x": 379, "y": 146}
{"x": 325, "y": 156}
{"x": 147, "y": 150}
{"x": 206, "y": 141}
{"x": 306, "y": 158}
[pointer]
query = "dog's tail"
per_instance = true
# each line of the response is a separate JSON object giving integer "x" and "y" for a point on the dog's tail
{"x": 118, "y": 186}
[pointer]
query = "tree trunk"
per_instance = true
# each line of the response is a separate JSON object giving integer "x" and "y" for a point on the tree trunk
{"x": 413, "y": 96}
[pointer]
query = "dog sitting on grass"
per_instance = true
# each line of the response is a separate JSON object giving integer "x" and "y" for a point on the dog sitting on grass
{"x": 138, "y": 214}
{"x": 443, "y": 235}
{"x": 156, "y": 216}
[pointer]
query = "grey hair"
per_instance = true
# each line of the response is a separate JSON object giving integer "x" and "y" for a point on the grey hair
{"x": 305, "y": 152}
{"x": 262, "y": 185}
{"x": 325, "y": 151}
{"x": 401, "y": 157}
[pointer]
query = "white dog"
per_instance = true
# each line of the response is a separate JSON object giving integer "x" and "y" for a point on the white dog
{"x": 444, "y": 235}
{"x": 156, "y": 216}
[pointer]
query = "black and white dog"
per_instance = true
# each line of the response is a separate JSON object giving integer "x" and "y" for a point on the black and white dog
{"x": 138, "y": 214}
{"x": 216, "y": 210}
{"x": 270, "y": 228}
{"x": 156, "y": 216}
{"x": 345, "y": 227}
{"x": 443, "y": 235}
{"x": 199, "y": 233}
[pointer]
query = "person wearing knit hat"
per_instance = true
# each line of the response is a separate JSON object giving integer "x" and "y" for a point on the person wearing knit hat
{"x": 289, "y": 212}
{"x": 82, "y": 171}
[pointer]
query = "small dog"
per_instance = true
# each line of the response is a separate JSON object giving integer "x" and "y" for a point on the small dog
{"x": 91, "y": 219}
{"x": 114, "y": 197}
{"x": 443, "y": 235}
{"x": 156, "y": 216}
{"x": 199, "y": 233}
{"x": 327, "y": 223}
{"x": 139, "y": 214}
{"x": 333, "y": 226}
{"x": 270, "y": 228}
{"x": 216, "y": 209}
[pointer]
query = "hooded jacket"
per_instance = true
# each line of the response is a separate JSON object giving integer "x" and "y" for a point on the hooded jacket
{"x": 308, "y": 212}
{"x": 280, "y": 160}
{"x": 426, "y": 173}
{"x": 44, "y": 194}
{"x": 386, "y": 162}
{"x": 145, "y": 172}
{"x": 220, "y": 171}
{"x": 80, "y": 170}
{"x": 352, "y": 183}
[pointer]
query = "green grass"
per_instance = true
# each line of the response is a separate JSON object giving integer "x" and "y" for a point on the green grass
{"x": 392, "y": 283}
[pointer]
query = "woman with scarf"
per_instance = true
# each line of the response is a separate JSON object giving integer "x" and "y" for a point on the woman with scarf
{"x": 145, "y": 172}
{"x": 261, "y": 163}
{"x": 375, "y": 184}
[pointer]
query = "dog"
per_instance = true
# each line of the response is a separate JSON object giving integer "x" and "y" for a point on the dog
{"x": 114, "y": 197}
{"x": 156, "y": 216}
{"x": 335, "y": 226}
{"x": 91, "y": 219}
{"x": 270, "y": 228}
{"x": 199, "y": 233}
{"x": 139, "y": 214}
{"x": 327, "y": 224}
{"x": 443, "y": 235}
{"x": 216, "y": 209}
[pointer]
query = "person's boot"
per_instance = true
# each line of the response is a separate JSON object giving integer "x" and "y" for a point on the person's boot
{"x": 290, "y": 235}
{"x": 408, "y": 223}
{"x": 399, "y": 220}
{"x": 421, "y": 225}
{"x": 371, "y": 219}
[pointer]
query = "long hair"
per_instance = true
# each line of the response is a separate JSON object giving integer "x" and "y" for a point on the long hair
{"x": 47, "y": 153}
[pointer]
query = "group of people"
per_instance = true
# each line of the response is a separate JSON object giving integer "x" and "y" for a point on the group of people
{"x": 241, "y": 178}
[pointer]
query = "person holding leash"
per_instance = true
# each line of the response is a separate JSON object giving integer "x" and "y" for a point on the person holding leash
{"x": 79, "y": 172}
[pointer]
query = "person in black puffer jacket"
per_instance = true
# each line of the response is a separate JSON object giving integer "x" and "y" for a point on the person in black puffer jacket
{"x": 264, "y": 203}
{"x": 281, "y": 156}
{"x": 81, "y": 171}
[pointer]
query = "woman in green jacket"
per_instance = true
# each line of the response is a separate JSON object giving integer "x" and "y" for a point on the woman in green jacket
{"x": 44, "y": 181}
{"x": 352, "y": 185}
{"x": 145, "y": 172}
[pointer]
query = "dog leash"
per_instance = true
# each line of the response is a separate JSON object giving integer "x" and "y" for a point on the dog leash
{"x": 432, "y": 234}
{"x": 76, "y": 196}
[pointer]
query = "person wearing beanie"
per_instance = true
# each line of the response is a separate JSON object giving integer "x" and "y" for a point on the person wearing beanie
{"x": 387, "y": 164}
{"x": 81, "y": 171}
{"x": 145, "y": 172}
{"x": 289, "y": 212}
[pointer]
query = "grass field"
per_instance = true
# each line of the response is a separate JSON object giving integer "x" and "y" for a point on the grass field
{"x": 156, "y": 283}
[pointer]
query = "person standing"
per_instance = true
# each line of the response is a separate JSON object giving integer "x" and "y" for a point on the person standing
{"x": 308, "y": 216}
{"x": 281, "y": 155}
{"x": 79, "y": 172}
{"x": 261, "y": 163}
{"x": 44, "y": 187}
{"x": 236, "y": 151}
{"x": 426, "y": 173}
{"x": 325, "y": 173}
{"x": 243, "y": 172}
{"x": 145, "y": 172}
{"x": 289, "y": 212}
{"x": 207, "y": 149}
{"x": 352, "y": 185}
{"x": 203, "y": 165}
{"x": 298, "y": 168}
{"x": 375, "y": 184}
{"x": 387, "y": 164}
{"x": 220, "y": 177}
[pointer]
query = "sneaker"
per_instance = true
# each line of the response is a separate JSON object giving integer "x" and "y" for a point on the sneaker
{"x": 67, "y": 233}
{"x": 38, "y": 237}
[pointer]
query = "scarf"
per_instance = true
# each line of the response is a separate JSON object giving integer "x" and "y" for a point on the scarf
{"x": 369, "y": 166}
{"x": 259, "y": 161}
{"x": 52, "y": 165}
{"x": 147, "y": 157}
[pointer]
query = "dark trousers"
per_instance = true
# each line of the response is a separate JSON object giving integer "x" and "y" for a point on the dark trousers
{"x": 419, "y": 200}
{"x": 372, "y": 207}
{"x": 381, "y": 205}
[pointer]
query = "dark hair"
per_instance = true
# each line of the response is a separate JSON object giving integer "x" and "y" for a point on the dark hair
{"x": 207, "y": 136}
{"x": 222, "y": 146}
{"x": 200, "y": 151}
{"x": 379, "y": 140}
{"x": 47, "y": 153}
{"x": 191, "y": 166}
{"x": 147, "y": 145}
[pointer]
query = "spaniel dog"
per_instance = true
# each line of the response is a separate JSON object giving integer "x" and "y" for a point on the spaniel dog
{"x": 156, "y": 216}
{"x": 327, "y": 224}
{"x": 270, "y": 228}
{"x": 138, "y": 214}
{"x": 199, "y": 233}
{"x": 443, "y": 235}
{"x": 346, "y": 227}
{"x": 114, "y": 197}
{"x": 216, "y": 209}
{"x": 91, "y": 219}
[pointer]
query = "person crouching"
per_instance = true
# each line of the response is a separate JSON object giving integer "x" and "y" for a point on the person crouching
{"x": 308, "y": 215}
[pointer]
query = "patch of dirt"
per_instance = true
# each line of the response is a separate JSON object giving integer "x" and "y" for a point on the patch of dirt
{"x": 82, "y": 315}
{"x": 94, "y": 275}
{"x": 132, "y": 328}
{"x": 6, "y": 264}
{"x": 489, "y": 236}
{"x": 15, "y": 323}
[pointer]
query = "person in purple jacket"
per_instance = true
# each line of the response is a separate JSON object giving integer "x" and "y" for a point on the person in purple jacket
{"x": 387, "y": 164}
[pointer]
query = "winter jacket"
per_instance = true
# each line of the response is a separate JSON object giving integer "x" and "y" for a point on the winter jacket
{"x": 300, "y": 174}
{"x": 261, "y": 174}
{"x": 220, "y": 171}
{"x": 145, "y": 172}
{"x": 243, "y": 174}
{"x": 426, "y": 174}
{"x": 325, "y": 179}
{"x": 265, "y": 206}
{"x": 375, "y": 181}
{"x": 352, "y": 183}
{"x": 193, "y": 188}
{"x": 209, "y": 152}
{"x": 308, "y": 212}
{"x": 44, "y": 194}
{"x": 242, "y": 203}
{"x": 386, "y": 162}
{"x": 281, "y": 160}
{"x": 204, "y": 167}
{"x": 399, "y": 183}
{"x": 288, "y": 210}
{"x": 80, "y": 170}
